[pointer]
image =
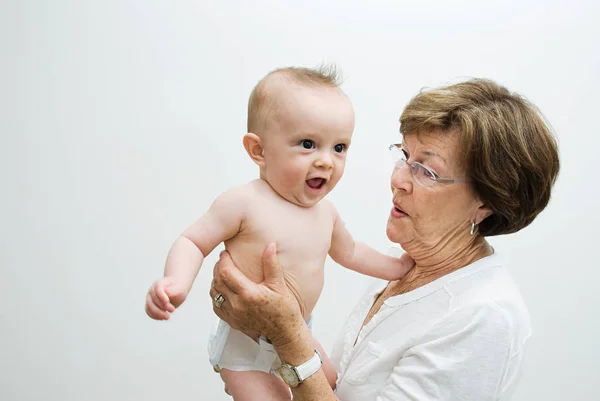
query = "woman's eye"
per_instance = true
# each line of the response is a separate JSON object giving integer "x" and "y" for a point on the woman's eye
{"x": 404, "y": 153}
{"x": 307, "y": 144}
{"x": 430, "y": 174}
{"x": 340, "y": 147}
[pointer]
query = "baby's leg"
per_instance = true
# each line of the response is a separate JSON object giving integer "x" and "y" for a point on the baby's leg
{"x": 254, "y": 385}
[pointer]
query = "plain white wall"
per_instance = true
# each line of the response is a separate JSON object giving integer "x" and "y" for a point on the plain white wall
{"x": 121, "y": 121}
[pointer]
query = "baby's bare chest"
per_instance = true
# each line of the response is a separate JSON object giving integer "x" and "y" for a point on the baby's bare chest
{"x": 303, "y": 238}
{"x": 299, "y": 232}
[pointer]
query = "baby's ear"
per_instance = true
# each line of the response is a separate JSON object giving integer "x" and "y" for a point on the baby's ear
{"x": 254, "y": 148}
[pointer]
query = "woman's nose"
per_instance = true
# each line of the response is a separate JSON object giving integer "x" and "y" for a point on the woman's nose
{"x": 402, "y": 178}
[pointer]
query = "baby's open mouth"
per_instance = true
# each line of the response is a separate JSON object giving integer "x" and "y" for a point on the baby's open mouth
{"x": 316, "y": 183}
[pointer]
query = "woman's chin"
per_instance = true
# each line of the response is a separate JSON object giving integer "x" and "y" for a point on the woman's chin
{"x": 391, "y": 234}
{"x": 396, "y": 234}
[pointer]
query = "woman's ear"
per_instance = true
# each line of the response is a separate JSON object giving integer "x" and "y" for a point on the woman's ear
{"x": 482, "y": 213}
{"x": 254, "y": 148}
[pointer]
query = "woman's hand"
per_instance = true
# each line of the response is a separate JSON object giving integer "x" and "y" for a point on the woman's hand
{"x": 267, "y": 308}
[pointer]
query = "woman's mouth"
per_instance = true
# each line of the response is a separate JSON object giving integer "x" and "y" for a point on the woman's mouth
{"x": 397, "y": 212}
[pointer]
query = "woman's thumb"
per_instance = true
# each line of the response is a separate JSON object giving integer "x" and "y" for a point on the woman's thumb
{"x": 273, "y": 271}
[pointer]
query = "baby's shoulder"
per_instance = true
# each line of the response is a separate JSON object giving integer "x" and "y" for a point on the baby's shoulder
{"x": 254, "y": 198}
{"x": 326, "y": 206}
{"x": 235, "y": 194}
{"x": 244, "y": 192}
{"x": 234, "y": 200}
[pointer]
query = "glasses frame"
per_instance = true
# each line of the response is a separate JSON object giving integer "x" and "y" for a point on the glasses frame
{"x": 414, "y": 166}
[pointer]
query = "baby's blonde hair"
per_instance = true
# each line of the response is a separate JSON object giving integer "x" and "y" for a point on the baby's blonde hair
{"x": 262, "y": 100}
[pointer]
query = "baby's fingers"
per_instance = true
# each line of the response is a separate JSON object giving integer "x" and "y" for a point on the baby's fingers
{"x": 407, "y": 261}
{"x": 163, "y": 295}
{"x": 159, "y": 296}
{"x": 154, "y": 311}
{"x": 153, "y": 293}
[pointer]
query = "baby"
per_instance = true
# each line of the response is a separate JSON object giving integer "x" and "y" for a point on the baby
{"x": 300, "y": 126}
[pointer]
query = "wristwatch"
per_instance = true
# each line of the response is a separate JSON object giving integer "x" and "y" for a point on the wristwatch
{"x": 294, "y": 375}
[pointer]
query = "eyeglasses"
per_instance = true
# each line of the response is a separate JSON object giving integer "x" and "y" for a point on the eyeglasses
{"x": 421, "y": 174}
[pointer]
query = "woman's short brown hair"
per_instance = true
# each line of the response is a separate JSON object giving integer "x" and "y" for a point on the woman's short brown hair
{"x": 508, "y": 151}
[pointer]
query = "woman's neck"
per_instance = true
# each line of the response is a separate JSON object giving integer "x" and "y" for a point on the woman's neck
{"x": 432, "y": 263}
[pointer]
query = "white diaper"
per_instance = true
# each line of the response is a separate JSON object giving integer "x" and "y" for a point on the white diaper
{"x": 231, "y": 349}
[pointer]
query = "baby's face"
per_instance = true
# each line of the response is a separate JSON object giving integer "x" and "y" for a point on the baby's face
{"x": 306, "y": 142}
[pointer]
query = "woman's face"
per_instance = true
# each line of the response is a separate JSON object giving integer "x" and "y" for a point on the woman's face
{"x": 427, "y": 218}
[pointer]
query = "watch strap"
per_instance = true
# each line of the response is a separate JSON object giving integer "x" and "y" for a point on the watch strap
{"x": 309, "y": 367}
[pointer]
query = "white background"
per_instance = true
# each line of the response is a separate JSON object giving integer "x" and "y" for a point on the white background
{"x": 121, "y": 121}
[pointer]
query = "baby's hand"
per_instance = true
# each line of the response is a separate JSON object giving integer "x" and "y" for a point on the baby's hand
{"x": 163, "y": 297}
{"x": 405, "y": 263}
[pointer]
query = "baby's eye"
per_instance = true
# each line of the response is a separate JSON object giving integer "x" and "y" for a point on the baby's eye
{"x": 340, "y": 147}
{"x": 307, "y": 144}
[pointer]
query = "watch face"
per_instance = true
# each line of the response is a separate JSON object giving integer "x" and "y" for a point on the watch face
{"x": 288, "y": 374}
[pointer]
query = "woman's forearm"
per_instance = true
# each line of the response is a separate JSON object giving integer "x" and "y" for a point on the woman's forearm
{"x": 295, "y": 348}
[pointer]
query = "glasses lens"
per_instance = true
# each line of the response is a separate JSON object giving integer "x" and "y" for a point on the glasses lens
{"x": 422, "y": 175}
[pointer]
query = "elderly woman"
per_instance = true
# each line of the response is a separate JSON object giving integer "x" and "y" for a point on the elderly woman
{"x": 475, "y": 160}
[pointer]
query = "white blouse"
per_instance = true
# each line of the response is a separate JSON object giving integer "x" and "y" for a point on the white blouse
{"x": 460, "y": 337}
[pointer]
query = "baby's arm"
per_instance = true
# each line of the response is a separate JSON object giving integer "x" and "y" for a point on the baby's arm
{"x": 362, "y": 258}
{"x": 221, "y": 222}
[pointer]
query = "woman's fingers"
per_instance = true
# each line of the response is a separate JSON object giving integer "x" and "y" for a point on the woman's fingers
{"x": 223, "y": 316}
{"x": 224, "y": 312}
{"x": 221, "y": 289}
{"x": 230, "y": 296}
{"x": 245, "y": 301}
{"x": 229, "y": 275}
{"x": 272, "y": 270}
